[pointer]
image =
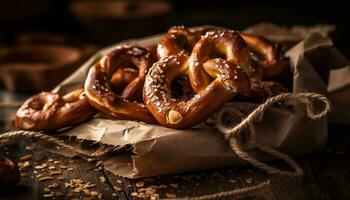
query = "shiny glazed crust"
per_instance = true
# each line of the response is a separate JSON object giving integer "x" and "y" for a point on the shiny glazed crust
{"x": 101, "y": 94}
{"x": 173, "y": 113}
{"x": 49, "y": 111}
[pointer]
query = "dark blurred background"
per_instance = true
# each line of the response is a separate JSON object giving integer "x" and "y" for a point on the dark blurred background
{"x": 105, "y": 21}
{"x": 96, "y": 23}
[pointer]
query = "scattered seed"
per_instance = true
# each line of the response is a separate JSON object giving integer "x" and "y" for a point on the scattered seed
{"x": 140, "y": 184}
{"x": 77, "y": 190}
{"x": 26, "y": 157}
{"x": 134, "y": 194}
{"x": 94, "y": 193}
{"x": 154, "y": 196}
{"x": 56, "y": 162}
{"x": 102, "y": 179}
{"x": 232, "y": 181}
{"x": 63, "y": 167}
{"x": 99, "y": 163}
{"x": 29, "y": 148}
{"x": 249, "y": 180}
{"x": 39, "y": 175}
{"x": 48, "y": 195}
{"x": 54, "y": 186}
{"x": 53, "y": 173}
{"x": 142, "y": 195}
{"x": 89, "y": 185}
{"x": 47, "y": 190}
{"x": 45, "y": 178}
{"x": 60, "y": 178}
{"x": 70, "y": 169}
{"x": 23, "y": 175}
{"x": 23, "y": 165}
{"x": 118, "y": 189}
{"x": 170, "y": 195}
{"x": 39, "y": 167}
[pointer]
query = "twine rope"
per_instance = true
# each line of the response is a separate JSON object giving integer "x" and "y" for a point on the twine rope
{"x": 47, "y": 138}
{"x": 235, "y": 192}
{"x": 230, "y": 134}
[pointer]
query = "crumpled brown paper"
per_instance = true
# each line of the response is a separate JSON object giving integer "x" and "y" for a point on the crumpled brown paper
{"x": 147, "y": 150}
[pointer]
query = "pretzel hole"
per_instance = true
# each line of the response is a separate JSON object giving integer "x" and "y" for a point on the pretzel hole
{"x": 122, "y": 77}
{"x": 183, "y": 43}
{"x": 217, "y": 54}
{"x": 181, "y": 88}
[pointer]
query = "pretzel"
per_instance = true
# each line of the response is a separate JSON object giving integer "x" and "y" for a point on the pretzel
{"x": 174, "y": 113}
{"x": 48, "y": 111}
{"x": 218, "y": 43}
{"x": 101, "y": 94}
{"x": 267, "y": 54}
{"x": 176, "y": 40}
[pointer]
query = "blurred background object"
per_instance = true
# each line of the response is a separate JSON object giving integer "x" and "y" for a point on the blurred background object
{"x": 9, "y": 173}
{"x": 108, "y": 20}
{"x": 73, "y": 25}
{"x": 33, "y": 68}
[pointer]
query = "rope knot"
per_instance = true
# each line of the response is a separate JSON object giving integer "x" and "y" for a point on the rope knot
{"x": 232, "y": 132}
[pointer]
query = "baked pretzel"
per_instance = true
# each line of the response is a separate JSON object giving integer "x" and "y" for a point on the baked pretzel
{"x": 219, "y": 43}
{"x": 267, "y": 54}
{"x": 48, "y": 111}
{"x": 227, "y": 80}
{"x": 176, "y": 40}
{"x": 102, "y": 95}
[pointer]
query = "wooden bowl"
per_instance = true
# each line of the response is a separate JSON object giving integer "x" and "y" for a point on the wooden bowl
{"x": 34, "y": 68}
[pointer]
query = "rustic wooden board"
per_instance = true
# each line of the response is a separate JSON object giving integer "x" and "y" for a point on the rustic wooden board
{"x": 179, "y": 185}
{"x": 326, "y": 175}
{"x": 332, "y": 166}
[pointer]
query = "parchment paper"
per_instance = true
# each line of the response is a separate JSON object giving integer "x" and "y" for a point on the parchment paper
{"x": 148, "y": 150}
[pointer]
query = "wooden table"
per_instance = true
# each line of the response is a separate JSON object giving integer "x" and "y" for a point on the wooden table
{"x": 327, "y": 174}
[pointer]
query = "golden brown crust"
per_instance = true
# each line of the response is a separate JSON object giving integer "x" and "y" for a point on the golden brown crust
{"x": 217, "y": 43}
{"x": 177, "y": 39}
{"x": 178, "y": 114}
{"x": 48, "y": 111}
{"x": 267, "y": 54}
{"x": 101, "y": 94}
